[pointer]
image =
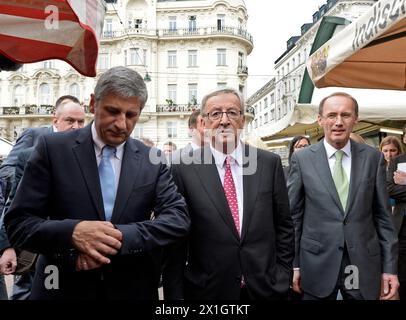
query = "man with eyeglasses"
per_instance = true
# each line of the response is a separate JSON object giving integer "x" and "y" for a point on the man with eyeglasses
{"x": 345, "y": 238}
{"x": 241, "y": 240}
{"x": 396, "y": 182}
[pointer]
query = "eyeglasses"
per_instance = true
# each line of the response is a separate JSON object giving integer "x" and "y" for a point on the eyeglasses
{"x": 217, "y": 115}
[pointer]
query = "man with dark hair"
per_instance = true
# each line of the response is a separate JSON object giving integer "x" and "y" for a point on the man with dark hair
{"x": 196, "y": 129}
{"x": 345, "y": 238}
{"x": 85, "y": 200}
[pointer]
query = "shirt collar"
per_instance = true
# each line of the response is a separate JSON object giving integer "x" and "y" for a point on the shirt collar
{"x": 99, "y": 144}
{"x": 330, "y": 150}
{"x": 219, "y": 157}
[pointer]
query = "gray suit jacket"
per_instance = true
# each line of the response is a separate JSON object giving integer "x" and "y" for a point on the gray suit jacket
{"x": 397, "y": 192}
{"x": 323, "y": 227}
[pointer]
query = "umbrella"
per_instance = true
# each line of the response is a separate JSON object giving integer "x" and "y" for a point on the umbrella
{"x": 369, "y": 53}
{"x": 32, "y": 31}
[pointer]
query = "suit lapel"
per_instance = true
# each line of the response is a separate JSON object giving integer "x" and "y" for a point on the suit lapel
{"x": 322, "y": 168}
{"x": 251, "y": 178}
{"x": 357, "y": 161}
{"x": 85, "y": 155}
{"x": 209, "y": 176}
{"x": 130, "y": 168}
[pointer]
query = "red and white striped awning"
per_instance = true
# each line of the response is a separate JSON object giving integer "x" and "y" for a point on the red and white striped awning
{"x": 37, "y": 30}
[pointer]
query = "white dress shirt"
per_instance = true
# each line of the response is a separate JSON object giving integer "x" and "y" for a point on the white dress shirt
{"x": 236, "y": 165}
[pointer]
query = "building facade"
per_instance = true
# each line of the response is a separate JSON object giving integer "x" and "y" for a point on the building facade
{"x": 183, "y": 49}
{"x": 275, "y": 101}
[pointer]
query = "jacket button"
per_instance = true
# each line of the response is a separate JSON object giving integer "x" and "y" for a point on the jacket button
{"x": 340, "y": 248}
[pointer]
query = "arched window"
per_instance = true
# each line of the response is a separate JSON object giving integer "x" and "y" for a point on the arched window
{"x": 45, "y": 94}
{"x": 18, "y": 96}
{"x": 74, "y": 90}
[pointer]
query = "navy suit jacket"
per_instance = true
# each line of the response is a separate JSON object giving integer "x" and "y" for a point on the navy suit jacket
{"x": 60, "y": 187}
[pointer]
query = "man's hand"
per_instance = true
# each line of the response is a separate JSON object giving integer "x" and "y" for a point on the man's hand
{"x": 296, "y": 281}
{"x": 97, "y": 239}
{"x": 8, "y": 261}
{"x": 85, "y": 262}
{"x": 389, "y": 286}
{"x": 399, "y": 177}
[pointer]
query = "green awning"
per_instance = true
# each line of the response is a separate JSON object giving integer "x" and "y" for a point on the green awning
{"x": 324, "y": 33}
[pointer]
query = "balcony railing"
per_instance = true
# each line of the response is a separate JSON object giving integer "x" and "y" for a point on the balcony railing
{"x": 189, "y": 108}
{"x": 32, "y": 109}
{"x": 173, "y": 33}
{"x": 243, "y": 70}
{"x": 196, "y": 32}
{"x": 176, "y": 107}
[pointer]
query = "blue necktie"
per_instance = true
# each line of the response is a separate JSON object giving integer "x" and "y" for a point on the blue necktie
{"x": 107, "y": 180}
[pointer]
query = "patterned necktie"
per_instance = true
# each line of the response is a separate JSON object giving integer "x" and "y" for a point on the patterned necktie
{"x": 340, "y": 178}
{"x": 231, "y": 195}
{"x": 107, "y": 180}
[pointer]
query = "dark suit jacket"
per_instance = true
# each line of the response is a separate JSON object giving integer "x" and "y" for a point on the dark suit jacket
{"x": 27, "y": 139}
{"x": 60, "y": 187}
{"x": 397, "y": 192}
{"x": 217, "y": 257}
{"x": 19, "y": 170}
{"x": 323, "y": 227}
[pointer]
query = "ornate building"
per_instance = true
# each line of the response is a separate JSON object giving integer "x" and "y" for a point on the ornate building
{"x": 277, "y": 99}
{"x": 182, "y": 48}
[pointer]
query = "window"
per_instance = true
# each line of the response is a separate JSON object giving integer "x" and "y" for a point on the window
{"x": 48, "y": 64}
{"x": 299, "y": 58}
{"x": 45, "y": 94}
{"x": 108, "y": 28}
{"x": 74, "y": 90}
{"x": 220, "y": 21}
{"x": 221, "y": 85}
{"x": 265, "y": 103}
{"x": 172, "y": 59}
{"x": 272, "y": 98}
{"x": 221, "y": 57}
{"x": 272, "y": 114}
{"x": 266, "y": 118}
{"x": 171, "y": 129}
{"x": 193, "y": 93}
{"x": 172, "y": 23}
{"x": 240, "y": 59}
{"x": 138, "y": 131}
{"x": 192, "y": 23}
{"x": 138, "y": 24}
{"x": 18, "y": 96}
{"x": 136, "y": 58}
{"x": 103, "y": 62}
{"x": 293, "y": 63}
{"x": 192, "y": 58}
{"x": 172, "y": 92}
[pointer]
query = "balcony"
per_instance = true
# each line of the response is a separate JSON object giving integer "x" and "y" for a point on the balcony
{"x": 209, "y": 31}
{"x": 242, "y": 72}
{"x": 114, "y": 35}
{"x": 178, "y": 33}
{"x": 176, "y": 107}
